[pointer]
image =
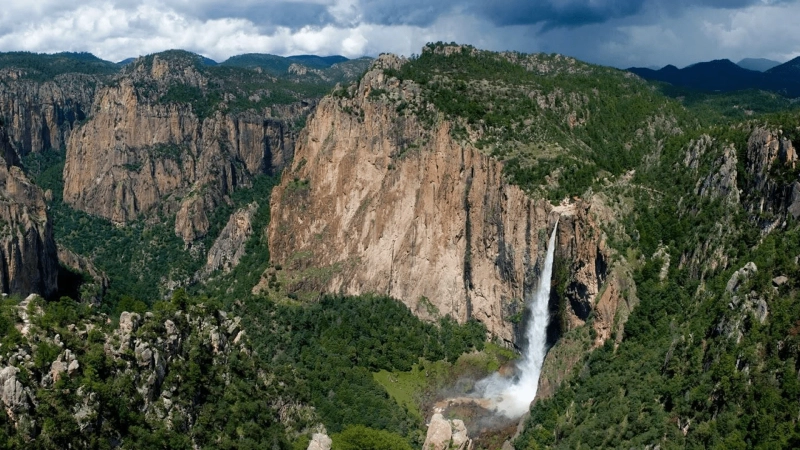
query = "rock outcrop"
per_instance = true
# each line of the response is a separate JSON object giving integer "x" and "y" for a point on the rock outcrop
{"x": 42, "y": 115}
{"x": 445, "y": 434}
{"x": 376, "y": 201}
{"x": 28, "y": 259}
{"x": 773, "y": 189}
{"x": 229, "y": 247}
{"x": 320, "y": 441}
{"x": 141, "y": 152}
{"x": 150, "y": 359}
{"x": 12, "y": 393}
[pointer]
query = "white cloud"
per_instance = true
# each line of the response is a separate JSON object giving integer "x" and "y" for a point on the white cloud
{"x": 765, "y": 30}
{"x": 115, "y": 30}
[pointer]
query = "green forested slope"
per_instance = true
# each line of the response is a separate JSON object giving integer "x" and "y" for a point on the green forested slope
{"x": 710, "y": 357}
{"x": 544, "y": 115}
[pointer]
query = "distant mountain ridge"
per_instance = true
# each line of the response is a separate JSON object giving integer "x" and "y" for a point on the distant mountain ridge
{"x": 269, "y": 62}
{"x": 724, "y": 75}
{"x": 758, "y": 64}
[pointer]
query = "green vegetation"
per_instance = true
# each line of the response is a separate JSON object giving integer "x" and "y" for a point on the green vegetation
{"x": 544, "y": 114}
{"x": 141, "y": 257}
{"x": 721, "y": 107}
{"x": 329, "y": 70}
{"x": 358, "y": 437}
{"x": 415, "y": 389}
{"x": 697, "y": 367}
{"x": 303, "y": 345}
{"x": 228, "y": 401}
{"x": 320, "y": 355}
{"x": 44, "y": 67}
{"x": 243, "y": 89}
{"x": 230, "y": 88}
{"x": 352, "y": 337}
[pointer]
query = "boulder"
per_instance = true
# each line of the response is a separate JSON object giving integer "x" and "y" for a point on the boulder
{"x": 740, "y": 276}
{"x": 779, "y": 281}
{"x": 320, "y": 441}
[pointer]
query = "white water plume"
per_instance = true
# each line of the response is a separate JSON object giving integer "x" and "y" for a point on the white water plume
{"x": 512, "y": 397}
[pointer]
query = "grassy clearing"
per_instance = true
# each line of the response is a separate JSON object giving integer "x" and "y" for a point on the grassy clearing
{"x": 417, "y": 388}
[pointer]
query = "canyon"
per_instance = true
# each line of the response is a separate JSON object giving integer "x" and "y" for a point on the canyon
{"x": 433, "y": 181}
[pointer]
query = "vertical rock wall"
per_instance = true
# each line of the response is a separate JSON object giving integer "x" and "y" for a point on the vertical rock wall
{"x": 374, "y": 202}
{"x": 41, "y": 115}
{"x": 137, "y": 154}
{"x": 28, "y": 258}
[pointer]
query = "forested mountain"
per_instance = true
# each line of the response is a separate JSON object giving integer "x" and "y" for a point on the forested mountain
{"x": 254, "y": 256}
{"x": 724, "y": 75}
{"x": 309, "y": 67}
{"x": 759, "y": 64}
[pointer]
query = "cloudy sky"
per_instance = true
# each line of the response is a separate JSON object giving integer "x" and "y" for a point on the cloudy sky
{"x": 621, "y": 33}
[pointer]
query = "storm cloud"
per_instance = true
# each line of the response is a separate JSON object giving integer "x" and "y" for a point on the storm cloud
{"x": 620, "y": 33}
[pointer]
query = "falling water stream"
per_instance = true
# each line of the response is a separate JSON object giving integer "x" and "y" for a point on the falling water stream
{"x": 512, "y": 396}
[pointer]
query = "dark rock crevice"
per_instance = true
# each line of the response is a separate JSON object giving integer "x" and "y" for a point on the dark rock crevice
{"x": 467, "y": 276}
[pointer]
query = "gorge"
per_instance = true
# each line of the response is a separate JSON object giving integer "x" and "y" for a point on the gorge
{"x": 305, "y": 257}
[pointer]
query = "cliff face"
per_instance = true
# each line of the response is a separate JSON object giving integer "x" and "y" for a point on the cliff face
{"x": 375, "y": 202}
{"x": 772, "y": 188}
{"x": 139, "y": 153}
{"x": 42, "y": 115}
{"x": 28, "y": 260}
{"x": 229, "y": 247}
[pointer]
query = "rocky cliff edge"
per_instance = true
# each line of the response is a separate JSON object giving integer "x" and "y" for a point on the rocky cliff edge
{"x": 376, "y": 201}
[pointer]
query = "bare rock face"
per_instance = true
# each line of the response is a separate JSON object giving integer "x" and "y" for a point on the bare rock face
{"x": 592, "y": 286}
{"x": 28, "y": 259}
{"x": 743, "y": 306}
{"x": 376, "y": 202}
{"x": 13, "y": 393}
{"x": 138, "y": 154}
{"x": 586, "y": 257}
{"x": 229, "y": 247}
{"x": 320, "y": 441}
{"x": 444, "y": 434}
{"x": 42, "y": 115}
{"x": 769, "y": 195}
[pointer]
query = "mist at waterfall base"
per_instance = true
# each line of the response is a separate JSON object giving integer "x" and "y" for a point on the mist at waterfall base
{"x": 512, "y": 397}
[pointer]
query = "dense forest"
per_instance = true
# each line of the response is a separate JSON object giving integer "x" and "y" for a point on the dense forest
{"x": 709, "y": 357}
{"x": 320, "y": 355}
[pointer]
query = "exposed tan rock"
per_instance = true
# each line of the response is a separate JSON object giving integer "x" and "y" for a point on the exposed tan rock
{"x": 28, "y": 260}
{"x": 320, "y": 441}
{"x": 229, "y": 247}
{"x": 375, "y": 202}
{"x": 768, "y": 197}
{"x": 741, "y": 276}
{"x": 439, "y": 434}
{"x": 742, "y": 304}
{"x": 460, "y": 439}
{"x": 137, "y": 155}
{"x": 780, "y": 280}
{"x": 581, "y": 245}
{"x": 42, "y": 115}
{"x": 794, "y": 200}
{"x": 604, "y": 313}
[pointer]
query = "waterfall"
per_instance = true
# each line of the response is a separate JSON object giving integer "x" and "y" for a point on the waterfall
{"x": 512, "y": 397}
